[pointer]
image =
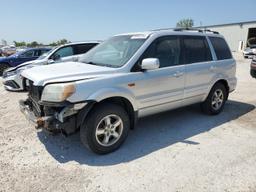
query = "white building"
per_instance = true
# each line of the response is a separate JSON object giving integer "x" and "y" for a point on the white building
{"x": 236, "y": 34}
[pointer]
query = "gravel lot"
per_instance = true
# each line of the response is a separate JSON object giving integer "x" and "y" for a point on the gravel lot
{"x": 181, "y": 150}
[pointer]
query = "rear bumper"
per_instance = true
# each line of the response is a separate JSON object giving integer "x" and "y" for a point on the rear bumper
{"x": 232, "y": 84}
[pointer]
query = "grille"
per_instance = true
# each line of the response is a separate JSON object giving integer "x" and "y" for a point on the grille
{"x": 33, "y": 91}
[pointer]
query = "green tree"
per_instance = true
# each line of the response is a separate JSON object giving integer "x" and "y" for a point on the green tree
{"x": 185, "y": 23}
{"x": 19, "y": 44}
{"x": 59, "y": 42}
{"x": 33, "y": 44}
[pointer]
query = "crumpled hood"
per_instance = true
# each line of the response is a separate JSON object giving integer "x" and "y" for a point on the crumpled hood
{"x": 63, "y": 72}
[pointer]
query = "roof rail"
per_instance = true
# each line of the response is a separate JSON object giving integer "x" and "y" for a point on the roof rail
{"x": 188, "y": 29}
{"x": 163, "y": 29}
{"x": 210, "y": 31}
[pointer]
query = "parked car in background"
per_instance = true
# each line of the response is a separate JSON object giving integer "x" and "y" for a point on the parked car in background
{"x": 127, "y": 77}
{"x": 8, "y": 50}
{"x": 253, "y": 67}
{"x": 21, "y": 57}
{"x": 249, "y": 52}
{"x": 69, "y": 52}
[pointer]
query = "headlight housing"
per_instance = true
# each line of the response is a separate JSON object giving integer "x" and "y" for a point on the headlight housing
{"x": 9, "y": 73}
{"x": 58, "y": 92}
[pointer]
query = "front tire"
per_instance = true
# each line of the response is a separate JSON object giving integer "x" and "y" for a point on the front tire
{"x": 105, "y": 129}
{"x": 3, "y": 66}
{"x": 216, "y": 100}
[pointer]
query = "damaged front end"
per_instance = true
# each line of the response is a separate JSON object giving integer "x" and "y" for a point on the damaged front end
{"x": 58, "y": 117}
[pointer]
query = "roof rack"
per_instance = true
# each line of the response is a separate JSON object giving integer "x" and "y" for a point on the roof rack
{"x": 196, "y": 29}
{"x": 189, "y": 29}
{"x": 210, "y": 31}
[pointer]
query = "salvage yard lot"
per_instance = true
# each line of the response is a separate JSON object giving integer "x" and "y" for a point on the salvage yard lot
{"x": 180, "y": 150}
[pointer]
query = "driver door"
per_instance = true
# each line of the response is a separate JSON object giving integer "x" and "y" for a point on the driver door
{"x": 161, "y": 89}
{"x": 64, "y": 54}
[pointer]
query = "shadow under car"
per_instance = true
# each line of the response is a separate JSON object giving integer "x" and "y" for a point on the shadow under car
{"x": 151, "y": 134}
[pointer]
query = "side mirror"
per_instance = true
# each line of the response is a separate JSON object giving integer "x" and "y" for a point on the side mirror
{"x": 150, "y": 64}
{"x": 56, "y": 57}
{"x": 50, "y": 61}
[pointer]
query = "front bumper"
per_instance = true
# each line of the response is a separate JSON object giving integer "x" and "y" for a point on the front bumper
{"x": 13, "y": 83}
{"x": 38, "y": 122}
{"x": 66, "y": 119}
{"x": 249, "y": 55}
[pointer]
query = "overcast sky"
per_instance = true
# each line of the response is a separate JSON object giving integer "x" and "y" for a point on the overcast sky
{"x": 50, "y": 20}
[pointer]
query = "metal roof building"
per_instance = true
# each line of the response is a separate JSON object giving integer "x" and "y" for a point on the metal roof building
{"x": 238, "y": 35}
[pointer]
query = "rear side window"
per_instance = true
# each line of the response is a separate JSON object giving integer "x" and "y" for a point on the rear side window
{"x": 43, "y": 51}
{"x": 196, "y": 49}
{"x": 27, "y": 54}
{"x": 83, "y": 48}
{"x": 221, "y": 48}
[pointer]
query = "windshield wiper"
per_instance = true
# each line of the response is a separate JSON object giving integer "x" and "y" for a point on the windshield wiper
{"x": 91, "y": 63}
{"x": 99, "y": 64}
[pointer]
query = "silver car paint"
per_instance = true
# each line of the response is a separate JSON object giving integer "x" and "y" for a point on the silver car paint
{"x": 153, "y": 91}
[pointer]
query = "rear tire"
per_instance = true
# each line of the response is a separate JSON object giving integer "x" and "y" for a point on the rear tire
{"x": 105, "y": 129}
{"x": 216, "y": 100}
{"x": 3, "y": 66}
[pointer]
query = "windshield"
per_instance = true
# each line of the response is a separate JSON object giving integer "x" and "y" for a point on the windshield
{"x": 45, "y": 54}
{"x": 18, "y": 53}
{"x": 114, "y": 52}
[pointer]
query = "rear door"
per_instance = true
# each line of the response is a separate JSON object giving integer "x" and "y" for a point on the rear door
{"x": 199, "y": 68}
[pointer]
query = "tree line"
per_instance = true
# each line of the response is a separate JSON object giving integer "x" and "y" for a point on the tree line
{"x": 182, "y": 23}
{"x": 37, "y": 44}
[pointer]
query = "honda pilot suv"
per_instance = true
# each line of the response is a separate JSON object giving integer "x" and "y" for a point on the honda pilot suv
{"x": 127, "y": 77}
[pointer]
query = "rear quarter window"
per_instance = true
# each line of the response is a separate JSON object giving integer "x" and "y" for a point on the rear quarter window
{"x": 221, "y": 48}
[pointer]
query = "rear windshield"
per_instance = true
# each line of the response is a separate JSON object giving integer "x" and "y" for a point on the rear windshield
{"x": 221, "y": 48}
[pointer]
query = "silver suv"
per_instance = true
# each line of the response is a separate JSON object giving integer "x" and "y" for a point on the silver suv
{"x": 127, "y": 77}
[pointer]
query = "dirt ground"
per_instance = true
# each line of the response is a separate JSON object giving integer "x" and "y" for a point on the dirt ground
{"x": 180, "y": 150}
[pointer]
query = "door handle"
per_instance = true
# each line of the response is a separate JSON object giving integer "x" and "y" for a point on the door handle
{"x": 178, "y": 74}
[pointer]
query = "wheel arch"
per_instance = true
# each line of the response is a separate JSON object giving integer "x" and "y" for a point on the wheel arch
{"x": 222, "y": 81}
{"x": 118, "y": 100}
